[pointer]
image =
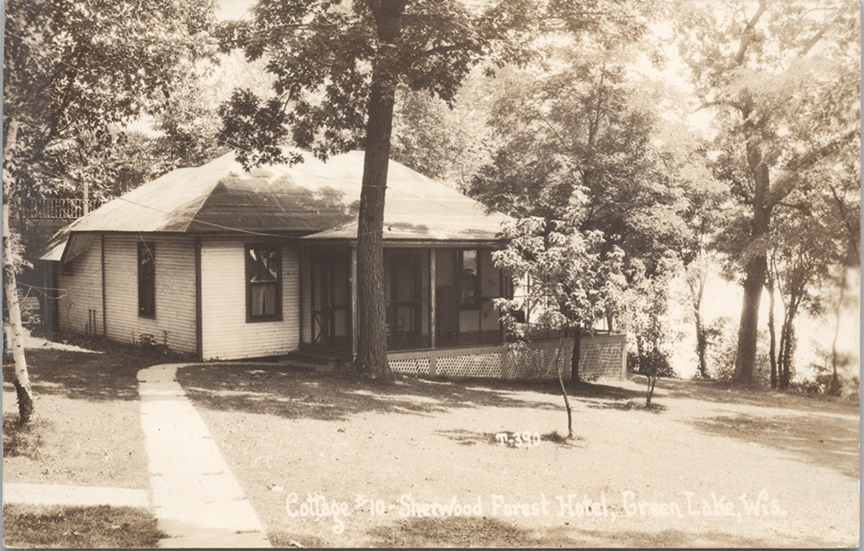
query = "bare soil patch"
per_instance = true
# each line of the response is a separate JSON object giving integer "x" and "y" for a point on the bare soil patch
{"x": 712, "y": 466}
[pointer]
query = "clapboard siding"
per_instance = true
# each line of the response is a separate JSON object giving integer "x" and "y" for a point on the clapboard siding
{"x": 82, "y": 292}
{"x": 225, "y": 333}
{"x": 174, "y": 261}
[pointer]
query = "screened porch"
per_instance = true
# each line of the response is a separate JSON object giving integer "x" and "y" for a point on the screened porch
{"x": 436, "y": 298}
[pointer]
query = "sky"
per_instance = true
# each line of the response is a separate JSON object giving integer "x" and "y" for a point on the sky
{"x": 233, "y": 9}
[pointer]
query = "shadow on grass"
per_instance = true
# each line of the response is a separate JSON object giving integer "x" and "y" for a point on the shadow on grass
{"x": 469, "y": 437}
{"x": 23, "y": 440}
{"x": 629, "y": 405}
{"x": 79, "y": 527}
{"x": 492, "y": 532}
{"x": 328, "y": 396}
{"x": 730, "y": 392}
{"x": 508, "y": 438}
{"x": 106, "y": 373}
{"x": 828, "y": 442}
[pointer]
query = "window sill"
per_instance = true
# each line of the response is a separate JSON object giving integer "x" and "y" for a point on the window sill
{"x": 263, "y": 319}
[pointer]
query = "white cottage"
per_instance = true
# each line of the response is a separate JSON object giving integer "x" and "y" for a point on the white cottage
{"x": 229, "y": 264}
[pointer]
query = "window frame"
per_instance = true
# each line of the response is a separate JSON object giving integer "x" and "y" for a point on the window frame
{"x": 266, "y": 245}
{"x": 146, "y": 310}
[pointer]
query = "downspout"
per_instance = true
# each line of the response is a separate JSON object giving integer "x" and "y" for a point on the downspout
{"x": 199, "y": 330}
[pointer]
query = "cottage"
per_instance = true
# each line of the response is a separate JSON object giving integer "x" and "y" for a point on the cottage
{"x": 229, "y": 264}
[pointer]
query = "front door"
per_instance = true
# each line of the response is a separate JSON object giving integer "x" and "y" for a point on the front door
{"x": 331, "y": 298}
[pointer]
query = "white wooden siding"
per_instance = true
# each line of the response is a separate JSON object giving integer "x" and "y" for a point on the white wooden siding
{"x": 226, "y": 334}
{"x": 82, "y": 292}
{"x": 174, "y": 261}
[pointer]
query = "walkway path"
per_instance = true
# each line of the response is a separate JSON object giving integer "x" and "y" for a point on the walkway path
{"x": 196, "y": 499}
{"x": 58, "y": 494}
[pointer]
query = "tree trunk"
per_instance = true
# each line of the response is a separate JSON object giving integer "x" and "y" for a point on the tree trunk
{"x": 371, "y": 316}
{"x": 745, "y": 358}
{"x": 773, "y": 348}
{"x": 652, "y": 380}
{"x": 558, "y": 357}
{"x": 787, "y": 348}
{"x": 16, "y": 329}
{"x": 701, "y": 342}
{"x": 577, "y": 351}
{"x": 640, "y": 356}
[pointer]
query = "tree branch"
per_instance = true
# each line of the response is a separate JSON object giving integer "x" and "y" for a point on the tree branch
{"x": 749, "y": 33}
{"x": 786, "y": 184}
{"x": 720, "y": 102}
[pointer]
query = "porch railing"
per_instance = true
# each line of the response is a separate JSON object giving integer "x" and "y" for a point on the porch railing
{"x": 58, "y": 209}
{"x": 601, "y": 356}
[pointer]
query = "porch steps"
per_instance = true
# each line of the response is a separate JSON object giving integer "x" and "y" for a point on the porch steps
{"x": 315, "y": 359}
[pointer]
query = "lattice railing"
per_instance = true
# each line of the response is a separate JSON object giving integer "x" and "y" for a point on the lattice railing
{"x": 470, "y": 365}
{"x": 411, "y": 366}
{"x": 600, "y": 357}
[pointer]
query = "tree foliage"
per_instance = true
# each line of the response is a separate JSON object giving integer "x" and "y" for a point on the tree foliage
{"x": 565, "y": 279}
{"x": 783, "y": 79}
{"x": 75, "y": 72}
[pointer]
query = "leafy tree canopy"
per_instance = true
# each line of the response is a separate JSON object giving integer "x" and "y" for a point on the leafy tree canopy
{"x": 74, "y": 72}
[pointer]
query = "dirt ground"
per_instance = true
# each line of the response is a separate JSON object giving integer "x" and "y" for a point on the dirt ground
{"x": 333, "y": 462}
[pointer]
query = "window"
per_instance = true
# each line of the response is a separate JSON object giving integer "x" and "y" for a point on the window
{"x": 146, "y": 279}
{"x": 470, "y": 280}
{"x": 263, "y": 282}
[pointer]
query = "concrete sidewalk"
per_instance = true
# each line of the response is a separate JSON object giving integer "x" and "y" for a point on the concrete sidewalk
{"x": 58, "y": 494}
{"x": 196, "y": 499}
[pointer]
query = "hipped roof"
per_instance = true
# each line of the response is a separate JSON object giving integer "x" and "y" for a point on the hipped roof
{"x": 313, "y": 199}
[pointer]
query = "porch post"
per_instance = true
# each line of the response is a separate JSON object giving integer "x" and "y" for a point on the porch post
{"x": 354, "y": 301}
{"x": 432, "y": 286}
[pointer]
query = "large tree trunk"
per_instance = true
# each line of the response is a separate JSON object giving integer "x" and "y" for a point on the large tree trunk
{"x": 371, "y": 316}
{"x": 745, "y": 358}
{"x": 15, "y": 334}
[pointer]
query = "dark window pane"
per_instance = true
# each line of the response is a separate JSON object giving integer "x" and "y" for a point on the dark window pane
{"x": 263, "y": 282}
{"x": 146, "y": 279}
{"x": 470, "y": 279}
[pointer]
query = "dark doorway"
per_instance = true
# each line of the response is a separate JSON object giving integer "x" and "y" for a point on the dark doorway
{"x": 407, "y": 298}
{"x": 331, "y": 298}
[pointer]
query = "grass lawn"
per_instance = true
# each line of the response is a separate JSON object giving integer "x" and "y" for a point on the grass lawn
{"x": 78, "y": 527}
{"x": 329, "y": 461}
